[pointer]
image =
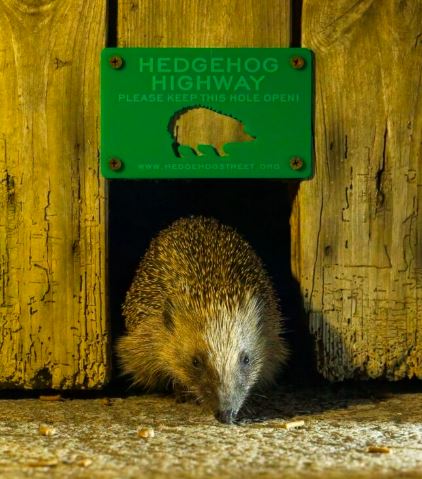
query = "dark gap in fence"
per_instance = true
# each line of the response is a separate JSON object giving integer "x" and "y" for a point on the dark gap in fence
{"x": 111, "y": 22}
{"x": 258, "y": 209}
{"x": 296, "y": 23}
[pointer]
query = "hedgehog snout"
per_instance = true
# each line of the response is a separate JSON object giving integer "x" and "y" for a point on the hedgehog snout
{"x": 228, "y": 405}
{"x": 222, "y": 403}
{"x": 226, "y": 416}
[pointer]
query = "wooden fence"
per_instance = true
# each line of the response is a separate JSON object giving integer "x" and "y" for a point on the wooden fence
{"x": 356, "y": 227}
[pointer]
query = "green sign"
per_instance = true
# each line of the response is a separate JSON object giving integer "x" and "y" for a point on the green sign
{"x": 206, "y": 113}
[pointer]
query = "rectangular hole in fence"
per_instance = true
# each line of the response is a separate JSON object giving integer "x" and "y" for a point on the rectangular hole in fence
{"x": 258, "y": 209}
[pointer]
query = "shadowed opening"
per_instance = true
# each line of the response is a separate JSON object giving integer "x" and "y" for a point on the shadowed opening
{"x": 258, "y": 209}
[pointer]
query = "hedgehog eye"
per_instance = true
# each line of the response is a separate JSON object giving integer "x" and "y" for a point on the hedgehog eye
{"x": 244, "y": 359}
{"x": 196, "y": 362}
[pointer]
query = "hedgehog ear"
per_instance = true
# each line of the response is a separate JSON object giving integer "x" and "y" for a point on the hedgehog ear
{"x": 168, "y": 315}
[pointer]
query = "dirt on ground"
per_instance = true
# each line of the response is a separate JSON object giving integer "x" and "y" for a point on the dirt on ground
{"x": 354, "y": 431}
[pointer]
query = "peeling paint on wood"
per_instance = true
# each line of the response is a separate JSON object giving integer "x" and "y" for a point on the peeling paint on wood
{"x": 53, "y": 330}
{"x": 357, "y": 226}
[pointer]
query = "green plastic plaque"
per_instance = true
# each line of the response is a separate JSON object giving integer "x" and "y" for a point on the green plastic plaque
{"x": 206, "y": 113}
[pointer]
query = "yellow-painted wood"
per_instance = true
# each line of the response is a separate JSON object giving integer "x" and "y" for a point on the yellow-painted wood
{"x": 53, "y": 330}
{"x": 357, "y": 226}
{"x": 204, "y": 23}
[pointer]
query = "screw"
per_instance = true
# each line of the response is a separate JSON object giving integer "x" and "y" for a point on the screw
{"x": 297, "y": 62}
{"x": 296, "y": 163}
{"x": 116, "y": 62}
{"x": 115, "y": 164}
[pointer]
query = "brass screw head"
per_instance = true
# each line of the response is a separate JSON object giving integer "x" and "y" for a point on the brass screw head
{"x": 116, "y": 62}
{"x": 296, "y": 163}
{"x": 297, "y": 62}
{"x": 115, "y": 164}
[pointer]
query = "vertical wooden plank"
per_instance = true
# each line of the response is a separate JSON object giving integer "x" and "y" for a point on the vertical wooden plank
{"x": 53, "y": 330}
{"x": 358, "y": 223}
{"x": 208, "y": 23}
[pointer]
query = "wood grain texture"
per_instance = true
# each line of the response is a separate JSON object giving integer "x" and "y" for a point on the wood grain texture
{"x": 205, "y": 23}
{"x": 359, "y": 221}
{"x": 53, "y": 330}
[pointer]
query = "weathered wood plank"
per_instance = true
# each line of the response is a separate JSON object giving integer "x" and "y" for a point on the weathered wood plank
{"x": 205, "y": 23}
{"x": 358, "y": 223}
{"x": 53, "y": 330}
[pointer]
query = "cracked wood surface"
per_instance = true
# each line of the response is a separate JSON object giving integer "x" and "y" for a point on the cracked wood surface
{"x": 357, "y": 226}
{"x": 53, "y": 330}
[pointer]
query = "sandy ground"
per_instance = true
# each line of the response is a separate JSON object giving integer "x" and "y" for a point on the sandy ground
{"x": 98, "y": 437}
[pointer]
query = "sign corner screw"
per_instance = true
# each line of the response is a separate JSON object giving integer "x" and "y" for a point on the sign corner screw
{"x": 297, "y": 62}
{"x": 296, "y": 163}
{"x": 116, "y": 62}
{"x": 115, "y": 164}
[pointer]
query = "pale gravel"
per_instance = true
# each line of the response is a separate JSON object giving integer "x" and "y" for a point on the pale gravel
{"x": 189, "y": 443}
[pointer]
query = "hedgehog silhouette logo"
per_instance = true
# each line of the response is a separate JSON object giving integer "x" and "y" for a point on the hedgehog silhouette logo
{"x": 198, "y": 125}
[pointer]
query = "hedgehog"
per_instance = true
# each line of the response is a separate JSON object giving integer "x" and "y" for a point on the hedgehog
{"x": 202, "y": 318}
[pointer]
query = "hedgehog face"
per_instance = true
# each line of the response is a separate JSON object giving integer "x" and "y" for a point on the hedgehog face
{"x": 234, "y": 384}
{"x": 223, "y": 388}
{"x": 223, "y": 358}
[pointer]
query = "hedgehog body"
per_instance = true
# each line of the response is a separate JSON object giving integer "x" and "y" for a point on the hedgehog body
{"x": 202, "y": 315}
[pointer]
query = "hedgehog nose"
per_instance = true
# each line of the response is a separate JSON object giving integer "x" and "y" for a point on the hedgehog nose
{"x": 227, "y": 416}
